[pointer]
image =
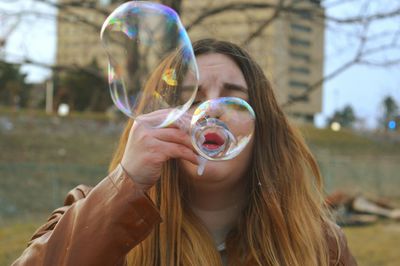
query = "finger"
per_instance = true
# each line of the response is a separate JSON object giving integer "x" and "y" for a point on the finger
{"x": 175, "y": 120}
{"x": 154, "y": 118}
{"x": 162, "y": 114}
{"x": 173, "y": 135}
{"x": 156, "y": 113}
{"x": 166, "y": 118}
{"x": 183, "y": 122}
{"x": 178, "y": 151}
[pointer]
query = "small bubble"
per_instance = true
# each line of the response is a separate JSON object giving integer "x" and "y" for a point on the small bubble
{"x": 222, "y": 127}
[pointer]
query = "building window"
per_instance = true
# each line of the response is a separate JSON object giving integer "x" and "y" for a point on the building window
{"x": 300, "y": 28}
{"x": 298, "y": 84}
{"x": 312, "y": 1}
{"x": 304, "y": 14}
{"x": 317, "y": 2}
{"x": 301, "y": 56}
{"x": 299, "y": 98}
{"x": 308, "y": 118}
{"x": 300, "y": 70}
{"x": 299, "y": 42}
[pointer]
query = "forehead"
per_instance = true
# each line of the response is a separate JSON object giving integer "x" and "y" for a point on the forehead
{"x": 220, "y": 67}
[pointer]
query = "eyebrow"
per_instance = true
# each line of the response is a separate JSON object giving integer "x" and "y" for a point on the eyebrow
{"x": 231, "y": 87}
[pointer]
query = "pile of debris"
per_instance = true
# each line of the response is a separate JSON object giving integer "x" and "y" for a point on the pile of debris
{"x": 355, "y": 210}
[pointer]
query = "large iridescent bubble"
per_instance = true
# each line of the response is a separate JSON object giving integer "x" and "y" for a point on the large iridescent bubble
{"x": 222, "y": 127}
{"x": 151, "y": 61}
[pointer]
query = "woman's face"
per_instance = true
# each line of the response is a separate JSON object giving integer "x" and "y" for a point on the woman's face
{"x": 220, "y": 77}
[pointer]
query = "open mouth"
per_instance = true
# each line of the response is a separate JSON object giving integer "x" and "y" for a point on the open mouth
{"x": 213, "y": 141}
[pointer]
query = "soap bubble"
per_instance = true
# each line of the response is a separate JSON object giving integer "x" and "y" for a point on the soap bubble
{"x": 153, "y": 76}
{"x": 222, "y": 127}
{"x": 151, "y": 61}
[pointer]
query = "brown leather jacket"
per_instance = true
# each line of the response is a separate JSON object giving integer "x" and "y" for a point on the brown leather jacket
{"x": 101, "y": 227}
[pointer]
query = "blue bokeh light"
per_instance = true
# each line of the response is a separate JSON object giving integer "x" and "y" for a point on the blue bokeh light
{"x": 392, "y": 125}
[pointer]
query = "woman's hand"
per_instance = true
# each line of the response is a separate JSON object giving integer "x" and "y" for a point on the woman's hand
{"x": 149, "y": 148}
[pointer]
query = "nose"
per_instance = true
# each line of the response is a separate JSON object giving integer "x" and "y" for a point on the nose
{"x": 212, "y": 91}
{"x": 215, "y": 110}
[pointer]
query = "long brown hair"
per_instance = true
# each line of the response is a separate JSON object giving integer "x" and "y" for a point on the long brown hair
{"x": 285, "y": 219}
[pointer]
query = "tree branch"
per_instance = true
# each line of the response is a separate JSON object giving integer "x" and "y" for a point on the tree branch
{"x": 386, "y": 63}
{"x": 362, "y": 19}
{"x": 265, "y": 24}
{"x": 356, "y": 59}
{"x": 317, "y": 84}
{"x": 290, "y": 9}
{"x": 225, "y": 8}
{"x": 59, "y": 68}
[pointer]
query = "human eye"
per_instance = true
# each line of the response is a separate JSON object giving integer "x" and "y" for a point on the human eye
{"x": 234, "y": 90}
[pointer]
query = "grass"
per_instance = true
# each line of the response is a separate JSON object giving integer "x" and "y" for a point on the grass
{"x": 375, "y": 245}
{"x": 346, "y": 142}
{"x": 13, "y": 238}
{"x": 43, "y": 157}
{"x": 58, "y": 141}
{"x": 42, "y": 114}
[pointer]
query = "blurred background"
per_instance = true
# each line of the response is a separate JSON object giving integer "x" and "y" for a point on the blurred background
{"x": 334, "y": 65}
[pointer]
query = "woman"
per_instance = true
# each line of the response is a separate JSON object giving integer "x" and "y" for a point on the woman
{"x": 264, "y": 207}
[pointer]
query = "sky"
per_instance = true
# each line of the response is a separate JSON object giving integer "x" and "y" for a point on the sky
{"x": 362, "y": 87}
{"x": 34, "y": 38}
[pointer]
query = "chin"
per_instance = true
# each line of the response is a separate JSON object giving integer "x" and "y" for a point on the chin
{"x": 216, "y": 173}
{"x": 225, "y": 173}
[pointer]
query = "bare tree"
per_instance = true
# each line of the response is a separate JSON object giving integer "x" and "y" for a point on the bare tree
{"x": 375, "y": 46}
{"x": 9, "y": 25}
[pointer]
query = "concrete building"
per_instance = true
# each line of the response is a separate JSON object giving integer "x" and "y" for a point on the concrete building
{"x": 289, "y": 48}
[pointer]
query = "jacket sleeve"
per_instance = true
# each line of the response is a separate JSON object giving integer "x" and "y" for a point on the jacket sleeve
{"x": 96, "y": 226}
{"x": 339, "y": 252}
